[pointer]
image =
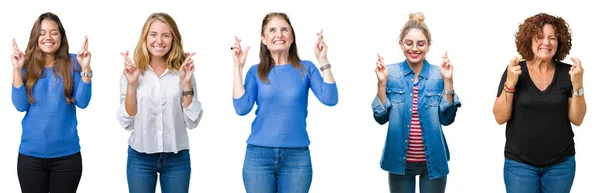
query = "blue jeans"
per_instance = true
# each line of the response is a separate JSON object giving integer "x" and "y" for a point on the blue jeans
{"x": 143, "y": 170}
{"x": 277, "y": 170}
{"x": 520, "y": 177}
{"x": 407, "y": 183}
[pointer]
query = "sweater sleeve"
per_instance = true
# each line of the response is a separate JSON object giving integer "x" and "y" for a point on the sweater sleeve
{"x": 244, "y": 104}
{"x": 326, "y": 93}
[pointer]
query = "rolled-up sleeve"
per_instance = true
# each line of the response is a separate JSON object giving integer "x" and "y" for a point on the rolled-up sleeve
{"x": 381, "y": 111}
{"x": 448, "y": 110}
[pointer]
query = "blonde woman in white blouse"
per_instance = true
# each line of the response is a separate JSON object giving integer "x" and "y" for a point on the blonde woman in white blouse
{"x": 158, "y": 103}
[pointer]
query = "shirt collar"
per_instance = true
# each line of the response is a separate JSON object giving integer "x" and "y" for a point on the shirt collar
{"x": 424, "y": 71}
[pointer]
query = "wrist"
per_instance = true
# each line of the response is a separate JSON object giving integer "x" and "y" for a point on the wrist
{"x": 132, "y": 86}
{"x": 382, "y": 83}
{"x": 238, "y": 68}
{"x": 17, "y": 70}
{"x": 87, "y": 70}
{"x": 448, "y": 82}
{"x": 510, "y": 85}
{"x": 323, "y": 62}
{"x": 186, "y": 86}
{"x": 577, "y": 86}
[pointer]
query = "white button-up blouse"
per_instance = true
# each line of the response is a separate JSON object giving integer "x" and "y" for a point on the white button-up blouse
{"x": 161, "y": 120}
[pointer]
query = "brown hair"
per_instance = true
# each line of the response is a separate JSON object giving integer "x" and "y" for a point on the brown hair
{"x": 533, "y": 28}
{"x": 266, "y": 60}
{"x": 35, "y": 59}
{"x": 175, "y": 57}
{"x": 416, "y": 21}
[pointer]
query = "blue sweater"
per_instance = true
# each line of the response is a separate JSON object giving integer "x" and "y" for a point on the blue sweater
{"x": 282, "y": 104}
{"x": 50, "y": 124}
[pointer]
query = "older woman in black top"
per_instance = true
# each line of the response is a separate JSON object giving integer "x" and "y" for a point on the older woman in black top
{"x": 539, "y": 110}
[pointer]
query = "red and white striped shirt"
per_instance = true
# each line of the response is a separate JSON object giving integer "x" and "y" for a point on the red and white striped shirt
{"x": 416, "y": 151}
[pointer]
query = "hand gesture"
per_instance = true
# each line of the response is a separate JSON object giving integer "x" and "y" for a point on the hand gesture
{"x": 576, "y": 73}
{"x": 381, "y": 70}
{"x": 17, "y": 57}
{"x": 239, "y": 55}
{"x": 446, "y": 69}
{"x": 514, "y": 70}
{"x": 187, "y": 70}
{"x": 131, "y": 71}
{"x": 84, "y": 56}
{"x": 321, "y": 49}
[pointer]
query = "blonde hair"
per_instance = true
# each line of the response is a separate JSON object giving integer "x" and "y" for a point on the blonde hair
{"x": 174, "y": 57}
{"x": 416, "y": 21}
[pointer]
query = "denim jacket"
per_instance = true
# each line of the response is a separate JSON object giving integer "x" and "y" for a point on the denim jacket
{"x": 433, "y": 111}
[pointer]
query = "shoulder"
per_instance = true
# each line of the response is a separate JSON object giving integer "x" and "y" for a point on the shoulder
{"x": 253, "y": 67}
{"x": 394, "y": 68}
{"x": 563, "y": 66}
{"x": 433, "y": 67}
{"x": 253, "y": 70}
{"x": 308, "y": 64}
{"x": 74, "y": 62}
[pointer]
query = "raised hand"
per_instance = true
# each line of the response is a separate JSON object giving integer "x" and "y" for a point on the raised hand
{"x": 131, "y": 71}
{"x": 514, "y": 71}
{"x": 446, "y": 69}
{"x": 239, "y": 55}
{"x": 321, "y": 49}
{"x": 381, "y": 70}
{"x": 576, "y": 73}
{"x": 84, "y": 56}
{"x": 17, "y": 57}
{"x": 187, "y": 70}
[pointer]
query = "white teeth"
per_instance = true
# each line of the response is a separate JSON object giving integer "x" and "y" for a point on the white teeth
{"x": 278, "y": 42}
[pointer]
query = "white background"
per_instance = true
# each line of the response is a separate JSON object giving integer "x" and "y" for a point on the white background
{"x": 346, "y": 141}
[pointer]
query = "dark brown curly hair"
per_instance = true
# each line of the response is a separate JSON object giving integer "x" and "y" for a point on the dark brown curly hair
{"x": 533, "y": 27}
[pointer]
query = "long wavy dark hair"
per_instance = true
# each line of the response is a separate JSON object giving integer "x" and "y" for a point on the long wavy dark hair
{"x": 35, "y": 59}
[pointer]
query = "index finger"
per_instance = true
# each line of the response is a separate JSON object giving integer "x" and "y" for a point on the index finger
{"x": 189, "y": 57}
{"x": 126, "y": 56}
{"x": 237, "y": 41}
{"x": 379, "y": 57}
{"x": 15, "y": 47}
{"x": 445, "y": 54}
{"x": 85, "y": 43}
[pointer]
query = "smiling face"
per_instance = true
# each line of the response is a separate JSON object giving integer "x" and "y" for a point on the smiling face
{"x": 49, "y": 38}
{"x": 159, "y": 39}
{"x": 545, "y": 45}
{"x": 414, "y": 46}
{"x": 277, "y": 35}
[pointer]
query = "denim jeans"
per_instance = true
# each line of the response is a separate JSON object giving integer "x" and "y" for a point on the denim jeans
{"x": 520, "y": 177}
{"x": 277, "y": 170}
{"x": 407, "y": 183}
{"x": 143, "y": 170}
{"x": 43, "y": 175}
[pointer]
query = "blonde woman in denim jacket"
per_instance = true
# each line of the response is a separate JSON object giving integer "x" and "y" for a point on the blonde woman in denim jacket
{"x": 416, "y": 98}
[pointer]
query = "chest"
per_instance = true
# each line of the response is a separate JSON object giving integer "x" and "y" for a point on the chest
{"x": 541, "y": 80}
{"x": 154, "y": 89}
{"x": 284, "y": 85}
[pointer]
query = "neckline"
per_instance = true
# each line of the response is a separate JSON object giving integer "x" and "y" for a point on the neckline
{"x": 526, "y": 69}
